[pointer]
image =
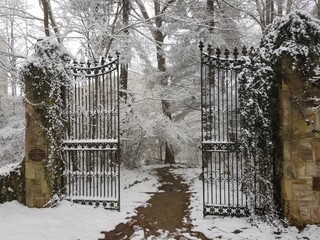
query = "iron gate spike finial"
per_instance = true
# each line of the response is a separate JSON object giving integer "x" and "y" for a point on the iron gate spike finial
{"x": 209, "y": 49}
{"x": 102, "y": 61}
{"x": 226, "y": 53}
{"x": 235, "y": 52}
{"x": 244, "y": 51}
{"x": 201, "y": 45}
{"x": 218, "y": 52}
{"x": 96, "y": 63}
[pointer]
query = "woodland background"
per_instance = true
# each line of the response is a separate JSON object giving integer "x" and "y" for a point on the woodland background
{"x": 160, "y": 63}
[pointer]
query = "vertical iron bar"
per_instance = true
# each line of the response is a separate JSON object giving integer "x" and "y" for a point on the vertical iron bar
{"x": 108, "y": 106}
{"x": 104, "y": 93}
{"x": 69, "y": 173}
{"x": 202, "y": 124}
{"x": 227, "y": 129}
{"x": 118, "y": 131}
{"x": 218, "y": 97}
{"x": 89, "y": 107}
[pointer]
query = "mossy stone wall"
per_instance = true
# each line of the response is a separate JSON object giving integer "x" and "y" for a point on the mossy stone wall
{"x": 301, "y": 148}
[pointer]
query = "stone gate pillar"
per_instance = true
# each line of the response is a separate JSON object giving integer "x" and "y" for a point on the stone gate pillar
{"x": 36, "y": 151}
{"x": 301, "y": 148}
{"x": 46, "y": 78}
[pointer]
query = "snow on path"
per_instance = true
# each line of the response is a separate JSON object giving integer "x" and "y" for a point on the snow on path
{"x": 76, "y": 222}
{"x": 73, "y": 221}
{"x": 235, "y": 228}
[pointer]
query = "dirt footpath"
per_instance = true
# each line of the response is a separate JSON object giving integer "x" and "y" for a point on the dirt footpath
{"x": 166, "y": 214}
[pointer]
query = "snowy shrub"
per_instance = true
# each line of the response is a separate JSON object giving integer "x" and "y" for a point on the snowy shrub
{"x": 296, "y": 36}
{"x": 145, "y": 129}
{"x": 11, "y": 130}
{"x": 12, "y": 183}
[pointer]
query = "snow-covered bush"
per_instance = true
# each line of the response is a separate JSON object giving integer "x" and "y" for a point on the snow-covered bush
{"x": 295, "y": 37}
{"x": 145, "y": 129}
{"x": 11, "y": 148}
{"x": 11, "y": 130}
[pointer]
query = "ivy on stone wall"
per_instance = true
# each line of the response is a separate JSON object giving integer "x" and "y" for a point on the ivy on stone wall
{"x": 46, "y": 79}
{"x": 297, "y": 38}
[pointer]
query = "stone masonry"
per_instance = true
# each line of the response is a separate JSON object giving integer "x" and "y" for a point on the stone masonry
{"x": 36, "y": 147}
{"x": 301, "y": 149}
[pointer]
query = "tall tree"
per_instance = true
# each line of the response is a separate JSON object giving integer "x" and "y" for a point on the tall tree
{"x": 49, "y": 19}
{"x": 94, "y": 24}
{"x": 124, "y": 66}
{"x": 210, "y": 11}
{"x": 15, "y": 25}
{"x": 157, "y": 30}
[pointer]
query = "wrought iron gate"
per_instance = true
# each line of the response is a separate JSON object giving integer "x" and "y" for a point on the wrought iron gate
{"x": 222, "y": 161}
{"x": 91, "y": 147}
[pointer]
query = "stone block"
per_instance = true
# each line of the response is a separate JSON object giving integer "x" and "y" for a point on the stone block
{"x": 290, "y": 172}
{"x": 287, "y": 190}
{"x": 305, "y": 212}
{"x": 307, "y": 186}
{"x": 29, "y": 170}
{"x": 316, "y": 150}
{"x": 305, "y": 152}
{"x": 40, "y": 141}
{"x": 299, "y": 126}
{"x": 312, "y": 169}
{"x": 315, "y": 214}
{"x": 45, "y": 188}
{"x": 39, "y": 202}
{"x": 292, "y": 212}
{"x": 301, "y": 171}
{"x": 303, "y": 196}
{"x": 286, "y": 117}
{"x": 286, "y": 151}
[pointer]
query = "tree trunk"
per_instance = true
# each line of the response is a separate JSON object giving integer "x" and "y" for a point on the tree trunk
{"x": 124, "y": 67}
{"x": 53, "y": 21}
{"x": 289, "y": 6}
{"x": 161, "y": 62}
{"x": 269, "y": 11}
{"x": 46, "y": 17}
{"x": 124, "y": 80}
{"x": 210, "y": 10}
{"x": 279, "y": 8}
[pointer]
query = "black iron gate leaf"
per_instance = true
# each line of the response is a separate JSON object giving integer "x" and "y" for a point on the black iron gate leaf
{"x": 222, "y": 160}
{"x": 91, "y": 147}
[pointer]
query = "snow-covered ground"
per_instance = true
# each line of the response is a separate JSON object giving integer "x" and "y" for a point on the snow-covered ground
{"x": 236, "y": 228}
{"x": 70, "y": 221}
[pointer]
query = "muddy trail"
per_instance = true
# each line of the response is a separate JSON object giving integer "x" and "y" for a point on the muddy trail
{"x": 166, "y": 213}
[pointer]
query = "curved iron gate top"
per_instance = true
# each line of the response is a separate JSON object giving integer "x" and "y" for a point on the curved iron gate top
{"x": 222, "y": 161}
{"x": 91, "y": 147}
